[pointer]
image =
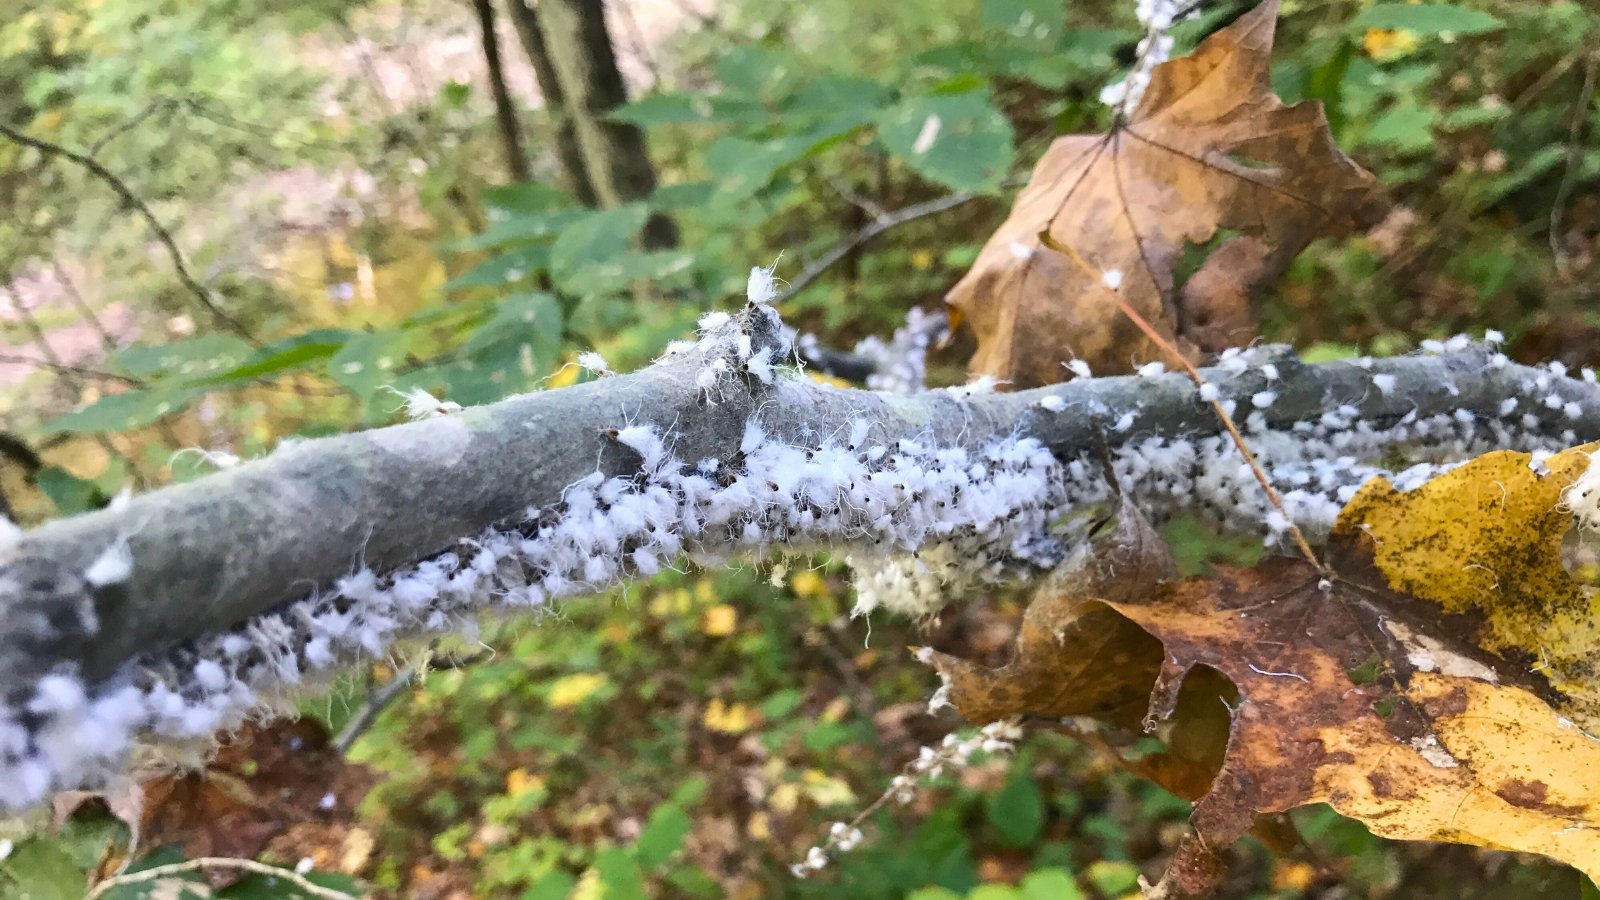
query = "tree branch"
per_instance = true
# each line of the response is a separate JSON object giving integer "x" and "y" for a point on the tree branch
{"x": 132, "y": 200}
{"x": 482, "y": 505}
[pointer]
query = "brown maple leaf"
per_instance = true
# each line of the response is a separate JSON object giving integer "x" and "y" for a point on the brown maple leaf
{"x": 1404, "y": 692}
{"x": 262, "y": 780}
{"x": 1210, "y": 158}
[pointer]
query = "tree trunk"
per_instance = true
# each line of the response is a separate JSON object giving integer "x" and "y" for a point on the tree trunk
{"x": 579, "y": 49}
{"x": 504, "y": 112}
{"x": 569, "y": 156}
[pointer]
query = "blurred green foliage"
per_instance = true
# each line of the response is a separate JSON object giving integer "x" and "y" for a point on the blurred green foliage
{"x": 694, "y": 735}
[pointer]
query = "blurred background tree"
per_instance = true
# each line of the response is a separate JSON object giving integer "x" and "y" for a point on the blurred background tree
{"x": 227, "y": 224}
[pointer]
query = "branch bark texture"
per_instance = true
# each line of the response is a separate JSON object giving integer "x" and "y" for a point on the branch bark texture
{"x": 180, "y": 612}
{"x": 211, "y": 553}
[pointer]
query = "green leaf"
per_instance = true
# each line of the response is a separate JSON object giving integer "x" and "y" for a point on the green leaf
{"x": 758, "y": 73}
{"x": 668, "y": 107}
{"x": 1407, "y": 127}
{"x": 682, "y": 196}
{"x": 532, "y": 316}
{"x": 829, "y": 95}
{"x": 1049, "y": 884}
{"x": 367, "y": 360}
{"x": 553, "y": 886}
{"x": 1113, "y": 878}
{"x": 745, "y": 166}
{"x": 519, "y": 228}
{"x": 1038, "y": 23}
{"x": 508, "y": 353}
{"x": 510, "y": 200}
{"x": 70, "y": 493}
{"x": 194, "y": 357}
{"x": 1017, "y": 812}
{"x": 507, "y": 268}
{"x": 290, "y": 353}
{"x": 596, "y": 236}
{"x": 620, "y": 878}
{"x": 121, "y": 412}
{"x": 1426, "y": 18}
{"x": 43, "y": 870}
{"x": 782, "y": 703}
{"x": 662, "y": 836}
{"x": 616, "y": 273}
{"x": 958, "y": 140}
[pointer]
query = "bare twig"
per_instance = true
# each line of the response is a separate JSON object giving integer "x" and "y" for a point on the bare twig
{"x": 132, "y": 200}
{"x": 377, "y": 701}
{"x": 380, "y": 699}
{"x": 133, "y": 122}
{"x": 865, "y": 204}
{"x": 157, "y": 873}
{"x": 82, "y": 305}
{"x": 71, "y": 376}
{"x": 66, "y": 369}
{"x": 871, "y": 230}
{"x": 1569, "y": 178}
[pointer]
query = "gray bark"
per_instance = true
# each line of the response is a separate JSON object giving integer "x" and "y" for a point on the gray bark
{"x": 574, "y": 177}
{"x": 615, "y": 156}
{"x": 505, "y": 112}
{"x": 213, "y": 552}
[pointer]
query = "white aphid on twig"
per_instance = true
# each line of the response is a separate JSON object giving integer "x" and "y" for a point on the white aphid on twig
{"x": 592, "y": 361}
{"x": 419, "y": 404}
{"x": 762, "y": 287}
{"x": 112, "y": 566}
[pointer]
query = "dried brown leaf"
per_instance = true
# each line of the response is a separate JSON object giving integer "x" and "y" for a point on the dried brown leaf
{"x": 1416, "y": 711}
{"x": 1209, "y": 158}
{"x": 262, "y": 780}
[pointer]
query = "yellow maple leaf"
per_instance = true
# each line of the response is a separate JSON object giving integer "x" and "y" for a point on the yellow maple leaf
{"x": 730, "y": 718}
{"x": 719, "y": 621}
{"x": 570, "y": 690}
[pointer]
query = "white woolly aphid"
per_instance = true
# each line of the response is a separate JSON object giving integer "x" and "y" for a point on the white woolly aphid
{"x": 1583, "y": 497}
{"x": 900, "y": 364}
{"x": 419, "y": 404}
{"x": 593, "y": 362}
{"x": 762, "y": 287}
{"x": 923, "y": 523}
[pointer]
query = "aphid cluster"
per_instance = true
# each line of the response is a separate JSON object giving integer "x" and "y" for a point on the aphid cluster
{"x": 922, "y": 522}
{"x": 902, "y": 361}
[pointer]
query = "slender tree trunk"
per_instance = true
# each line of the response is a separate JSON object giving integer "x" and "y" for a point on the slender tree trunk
{"x": 578, "y": 46}
{"x": 505, "y": 112}
{"x": 569, "y": 156}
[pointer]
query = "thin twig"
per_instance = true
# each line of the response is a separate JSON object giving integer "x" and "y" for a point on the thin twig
{"x": 67, "y": 369}
{"x": 221, "y": 862}
{"x": 376, "y": 702}
{"x": 1569, "y": 178}
{"x": 82, "y": 305}
{"x": 379, "y": 700}
{"x": 865, "y": 204}
{"x": 869, "y": 231}
{"x": 68, "y": 373}
{"x": 132, "y": 122}
{"x": 128, "y": 197}
{"x": 1166, "y": 346}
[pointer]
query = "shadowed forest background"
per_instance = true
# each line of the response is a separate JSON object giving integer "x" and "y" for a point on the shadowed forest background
{"x": 224, "y": 225}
